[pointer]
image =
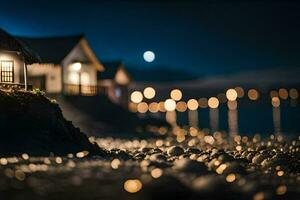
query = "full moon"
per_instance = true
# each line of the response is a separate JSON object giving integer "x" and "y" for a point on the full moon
{"x": 149, "y": 56}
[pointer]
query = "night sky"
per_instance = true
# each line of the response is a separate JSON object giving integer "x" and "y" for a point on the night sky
{"x": 206, "y": 38}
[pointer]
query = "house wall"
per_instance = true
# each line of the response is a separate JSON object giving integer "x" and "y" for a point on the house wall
{"x": 52, "y": 74}
{"x": 18, "y": 64}
{"x": 88, "y": 69}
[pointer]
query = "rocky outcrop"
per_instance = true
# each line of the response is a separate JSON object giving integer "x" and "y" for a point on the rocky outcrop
{"x": 32, "y": 123}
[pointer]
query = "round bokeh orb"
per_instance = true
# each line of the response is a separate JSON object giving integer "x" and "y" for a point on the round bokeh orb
{"x": 149, "y": 56}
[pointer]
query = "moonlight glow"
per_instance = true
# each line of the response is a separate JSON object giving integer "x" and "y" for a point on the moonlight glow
{"x": 149, "y": 56}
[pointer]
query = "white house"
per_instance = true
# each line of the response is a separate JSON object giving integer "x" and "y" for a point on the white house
{"x": 68, "y": 65}
{"x": 14, "y": 57}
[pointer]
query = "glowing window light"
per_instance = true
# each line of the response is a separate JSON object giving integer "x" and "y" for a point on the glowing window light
{"x": 142, "y": 107}
{"x": 153, "y": 107}
{"x": 213, "y": 102}
{"x": 240, "y": 92}
{"x": 170, "y": 105}
{"x": 176, "y": 94}
{"x": 192, "y": 104}
{"x": 253, "y": 94}
{"x": 133, "y": 185}
{"x": 76, "y": 66}
{"x": 73, "y": 78}
{"x": 136, "y": 97}
{"x": 273, "y": 93}
{"x": 293, "y": 93}
{"x": 275, "y": 102}
{"x": 203, "y": 103}
{"x": 181, "y": 106}
{"x": 283, "y": 93}
{"x": 149, "y": 92}
{"x": 231, "y": 94}
{"x": 222, "y": 98}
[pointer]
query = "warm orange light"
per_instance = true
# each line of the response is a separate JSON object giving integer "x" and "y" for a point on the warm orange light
{"x": 170, "y": 105}
{"x": 181, "y": 106}
{"x": 132, "y": 107}
{"x": 142, "y": 107}
{"x": 161, "y": 106}
{"x": 149, "y": 92}
{"x": 136, "y": 97}
{"x": 192, "y": 104}
{"x": 213, "y": 102}
{"x": 231, "y": 94}
{"x": 176, "y": 94}
{"x": 153, "y": 107}
{"x": 133, "y": 185}
{"x": 275, "y": 102}
{"x": 253, "y": 94}
{"x": 240, "y": 92}
{"x": 283, "y": 93}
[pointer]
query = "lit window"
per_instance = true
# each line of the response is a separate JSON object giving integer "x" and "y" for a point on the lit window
{"x": 7, "y": 71}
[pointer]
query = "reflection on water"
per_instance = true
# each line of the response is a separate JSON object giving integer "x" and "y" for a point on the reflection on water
{"x": 193, "y": 118}
{"x": 214, "y": 119}
{"x": 239, "y": 117}
{"x": 276, "y": 119}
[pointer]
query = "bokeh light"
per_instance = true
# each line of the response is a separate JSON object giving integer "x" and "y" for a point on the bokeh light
{"x": 149, "y": 92}
{"x": 176, "y": 94}
{"x": 283, "y": 93}
{"x": 133, "y": 185}
{"x": 181, "y": 106}
{"x": 192, "y": 104}
{"x": 231, "y": 94}
{"x": 253, "y": 94}
{"x": 153, "y": 107}
{"x": 213, "y": 102}
{"x": 240, "y": 92}
{"x": 293, "y": 93}
{"x": 275, "y": 102}
{"x": 170, "y": 105}
{"x": 142, "y": 107}
{"x": 136, "y": 97}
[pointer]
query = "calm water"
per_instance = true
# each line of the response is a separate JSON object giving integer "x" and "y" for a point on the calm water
{"x": 250, "y": 117}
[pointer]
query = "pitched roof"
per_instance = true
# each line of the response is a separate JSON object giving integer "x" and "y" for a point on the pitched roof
{"x": 111, "y": 68}
{"x": 10, "y": 43}
{"x": 52, "y": 49}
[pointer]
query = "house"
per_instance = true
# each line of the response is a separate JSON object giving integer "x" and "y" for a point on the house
{"x": 68, "y": 65}
{"x": 115, "y": 79}
{"x": 14, "y": 58}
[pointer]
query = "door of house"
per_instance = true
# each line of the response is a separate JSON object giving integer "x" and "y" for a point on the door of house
{"x": 7, "y": 71}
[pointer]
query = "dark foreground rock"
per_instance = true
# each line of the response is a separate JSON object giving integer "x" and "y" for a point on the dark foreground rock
{"x": 31, "y": 123}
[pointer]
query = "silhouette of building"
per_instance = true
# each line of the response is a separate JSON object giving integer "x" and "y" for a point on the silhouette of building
{"x": 115, "y": 79}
